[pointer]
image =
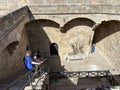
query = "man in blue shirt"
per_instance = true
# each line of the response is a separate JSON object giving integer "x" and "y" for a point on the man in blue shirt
{"x": 28, "y": 61}
{"x": 92, "y": 48}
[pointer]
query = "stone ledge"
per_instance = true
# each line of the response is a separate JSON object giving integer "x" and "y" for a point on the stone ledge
{"x": 47, "y": 9}
{"x": 9, "y": 20}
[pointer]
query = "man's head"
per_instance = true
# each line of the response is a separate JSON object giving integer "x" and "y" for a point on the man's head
{"x": 28, "y": 53}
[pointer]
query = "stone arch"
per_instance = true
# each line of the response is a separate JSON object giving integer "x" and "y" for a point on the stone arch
{"x": 53, "y": 23}
{"x": 76, "y": 22}
{"x": 53, "y": 49}
{"x": 39, "y": 34}
{"x": 105, "y": 29}
{"x": 7, "y": 59}
{"x": 12, "y": 46}
{"x": 107, "y": 39}
{"x": 78, "y": 34}
{"x": 7, "y": 43}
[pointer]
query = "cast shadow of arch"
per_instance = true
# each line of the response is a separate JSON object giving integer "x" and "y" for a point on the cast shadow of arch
{"x": 39, "y": 40}
{"x": 105, "y": 29}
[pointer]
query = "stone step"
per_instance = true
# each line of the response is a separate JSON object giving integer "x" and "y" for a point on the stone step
{"x": 38, "y": 82}
{"x": 28, "y": 88}
{"x": 115, "y": 88}
{"x": 38, "y": 87}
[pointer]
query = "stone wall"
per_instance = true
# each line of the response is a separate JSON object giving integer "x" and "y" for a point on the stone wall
{"x": 74, "y": 38}
{"x": 7, "y": 6}
{"x": 107, "y": 37}
{"x": 84, "y": 2}
{"x": 64, "y": 11}
{"x": 74, "y": 9}
{"x": 9, "y": 21}
{"x": 68, "y": 23}
{"x": 13, "y": 42}
{"x": 12, "y": 57}
{"x": 42, "y": 33}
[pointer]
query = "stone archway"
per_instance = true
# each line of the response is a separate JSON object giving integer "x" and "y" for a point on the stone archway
{"x": 7, "y": 59}
{"x": 78, "y": 35}
{"x": 41, "y": 33}
{"x": 53, "y": 49}
{"x": 11, "y": 47}
{"x": 107, "y": 37}
{"x": 77, "y": 22}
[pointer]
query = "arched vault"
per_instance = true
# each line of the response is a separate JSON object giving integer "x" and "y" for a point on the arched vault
{"x": 77, "y": 22}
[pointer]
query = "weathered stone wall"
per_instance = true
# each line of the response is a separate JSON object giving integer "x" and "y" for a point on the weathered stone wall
{"x": 107, "y": 37}
{"x": 9, "y": 21}
{"x": 41, "y": 34}
{"x": 53, "y": 25}
{"x": 13, "y": 42}
{"x": 74, "y": 38}
{"x": 7, "y": 6}
{"x": 84, "y": 2}
{"x": 11, "y": 59}
{"x": 63, "y": 11}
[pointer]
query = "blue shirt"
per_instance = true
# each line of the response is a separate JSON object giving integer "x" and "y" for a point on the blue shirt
{"x": 28, "y": 62}
{"x": 92, "y": 48}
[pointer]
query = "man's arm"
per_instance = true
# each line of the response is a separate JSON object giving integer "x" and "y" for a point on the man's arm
{"x": 36, "y": 63}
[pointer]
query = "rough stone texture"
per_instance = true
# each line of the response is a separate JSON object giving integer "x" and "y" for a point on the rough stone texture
{"x": 84, "y": 2}
{"x": 107, "y": 37}
{"x": 50, "y": 9}
{"x": 39, "y": 37}
{"x": 68, "y": 23}
{"x": 42, "y": 33}
{"x": 9, "y": 21}
{"x": 70, "y": 39}
{"x": 7, "y": 6}
{"x": 65, "y": 11}
{"x": 63, "y": 19}
{"x": 12, "y": 45}
{"x": 12, "y": 57}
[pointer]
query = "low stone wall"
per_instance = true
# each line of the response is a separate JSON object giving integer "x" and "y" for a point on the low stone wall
{"x": 8, "y": 22}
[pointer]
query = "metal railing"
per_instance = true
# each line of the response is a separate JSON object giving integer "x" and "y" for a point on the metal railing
{"x": 85, "y": 74}
{"x": 80, "y": 74}
{"x": 31, "y": 78}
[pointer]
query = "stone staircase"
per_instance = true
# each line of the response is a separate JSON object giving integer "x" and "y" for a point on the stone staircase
{"x": 38, "y": 83}
{"x": 115, "y": 88}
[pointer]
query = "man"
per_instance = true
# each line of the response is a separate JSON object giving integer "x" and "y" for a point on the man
{"x": 28, "y": 62}
{"x": 92, "y": 48}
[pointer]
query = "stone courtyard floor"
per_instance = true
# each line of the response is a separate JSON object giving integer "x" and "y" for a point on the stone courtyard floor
{"x": 96, "y": 61}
